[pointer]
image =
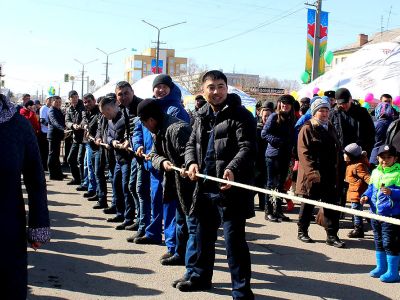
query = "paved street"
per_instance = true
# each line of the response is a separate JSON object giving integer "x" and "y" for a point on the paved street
{"x": 88, "y": 259}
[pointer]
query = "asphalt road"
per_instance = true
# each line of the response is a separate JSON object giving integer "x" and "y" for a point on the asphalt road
{"x": 88, "y": 259}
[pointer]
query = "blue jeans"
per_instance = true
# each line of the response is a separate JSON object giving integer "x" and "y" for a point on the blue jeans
{"x": 386, "y": 237}
{"x": 98, "y": 160}
{"x": 169, "y": 213}
{"x": 89, "y": 176}
{"x": 154, "y": 230}
{"x": 143, "y": 191}
{"x": 358, "y": 221}
{"x": 111, "y": 166}
{"x": 209, "y": 219}
{"x": 132, "y": 188}
{"x": 186, "y": 243}
{"x": 123, "y": 198}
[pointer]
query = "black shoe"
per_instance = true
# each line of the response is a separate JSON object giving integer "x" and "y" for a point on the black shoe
{"x": 133, "y": 227}
{"x": 131, "y": 239}
{"x": 99, "y": 205}
{"x": 89, "y": 194}
{"x": 190, "y": 286}
{"x": 303, "y": 236}
{"x": 334, "y": 241}
{"x": 92, "y": 198}
{"x": 109, "y": 211}
{"x": 282, "y": 218}
{"x": 356, "y": 233}
{"x": 64, "y": 176}
{"x": 183, "y": 278}
{"x": 81, "y": 188}
{"x": 271, "y": 218}
{"x": 175, "y": 260}
{"x": 166, "y": 255}
{"x": 73, "y": 182}
{"x": 144, "y": 240}
{"x": 123, "y": 225}
{"x": 116, "y": 219}
{"x": 58, "y": 178}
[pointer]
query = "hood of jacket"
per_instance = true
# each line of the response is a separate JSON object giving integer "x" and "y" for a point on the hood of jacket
{"x": 172, "y": 99}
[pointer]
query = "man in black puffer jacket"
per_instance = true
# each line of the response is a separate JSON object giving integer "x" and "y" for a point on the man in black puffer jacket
{"x": 222, "y": 144}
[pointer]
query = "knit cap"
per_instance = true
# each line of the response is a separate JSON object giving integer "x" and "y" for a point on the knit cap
{"x": 353, "y": 150}
{"x": 318, "y": 104}
{"x": 163, "y": 79}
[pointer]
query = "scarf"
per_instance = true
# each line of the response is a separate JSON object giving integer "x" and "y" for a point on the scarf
{"x": 323, "y": 124}
{"x": 7, "y": 109}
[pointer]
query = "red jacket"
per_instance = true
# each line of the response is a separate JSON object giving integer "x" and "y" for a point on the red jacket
{"x": 31, "y": 117}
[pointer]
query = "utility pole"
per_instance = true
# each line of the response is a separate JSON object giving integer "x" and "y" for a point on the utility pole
{"x": 83, "y": 71}
{"x": 158, "y": 39}
{"x": 107, "y": 63}
{"x": 316, "y": 56}
{"x": 87, "y": 83}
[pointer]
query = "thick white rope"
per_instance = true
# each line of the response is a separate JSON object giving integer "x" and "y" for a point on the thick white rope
{"x": 359, "y": 213}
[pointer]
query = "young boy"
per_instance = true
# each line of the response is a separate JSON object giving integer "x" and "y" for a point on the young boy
{"x": 383, "y": 196}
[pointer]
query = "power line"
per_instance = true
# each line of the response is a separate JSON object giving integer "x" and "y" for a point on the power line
{"x": 246, "y": 31}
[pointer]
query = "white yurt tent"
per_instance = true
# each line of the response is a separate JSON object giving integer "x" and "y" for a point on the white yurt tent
{"x": 143, "y": 88}
{"x": 373, "y": 69}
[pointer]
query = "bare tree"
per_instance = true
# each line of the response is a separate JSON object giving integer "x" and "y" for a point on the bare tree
{"x": 192, "y": 79}
{"x": 287, "y": 84}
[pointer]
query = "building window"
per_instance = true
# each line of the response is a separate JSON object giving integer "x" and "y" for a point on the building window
{"x": 137, "y": 64}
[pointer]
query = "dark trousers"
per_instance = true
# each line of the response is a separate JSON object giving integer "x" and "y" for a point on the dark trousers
{"x": 237, "y": 251}
{"x": 67, "y": 148}
{"x": 386, "y": 237}
{"x": 331, "y": 219}
{"x": 44, "y": 148}
{"x": 53, "y": 161}
{"x": 123, "y": 198}
{"x": 76, "y": 159}
{"x": 110, "y": 157}
{"x": 99, "y": 163}
{"x": 277, "y": 171}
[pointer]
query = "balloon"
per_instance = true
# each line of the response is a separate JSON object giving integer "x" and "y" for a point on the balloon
{"x": 294, "y": 94}
{"x": 361, "y": 101}
{"x": 369, "y": 98}
{"x": 315, "y": 90}
{"x": 366, "y": 105}
{"x": 396, "y": 101}
{"x": 320, "y": 93}
{"x": 305, "y": 77}
{"x": 329, "y": 57}
{"x": 397, "y": 108}
{"x": 52, "y": 91}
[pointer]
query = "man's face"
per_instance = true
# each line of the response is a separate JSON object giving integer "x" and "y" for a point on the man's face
{"x": 332, "y": 101}
{"x": 109, "y": 111}
{"x": 161, "y": 90}
{"x": 89, "y": 103}
{"x": 31, "y": 108}
{"x": 26, "y": 99}
{"x": 344, "y": 106}
{"x": 38, "y": 106}
{"x": 387, "y": 100}
{"x": 48, "y": 102}
{"x": 74, "y": 100}
{"x": 151, "y": 125}
{"x": 264, "y": 115}
{"x": 57, "y": 103}
{"x": 215, "y": 91}
{"x": 124, "y": 95}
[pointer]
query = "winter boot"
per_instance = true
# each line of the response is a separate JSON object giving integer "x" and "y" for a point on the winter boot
{"x": 392, "y": 273}
{"x": 381, "y": 264}
{"x": 357, "y": 232}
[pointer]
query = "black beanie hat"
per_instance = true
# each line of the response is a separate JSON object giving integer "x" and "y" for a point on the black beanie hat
{"x": 164, "y": 79}
{"x": 29, "y": 103}
{"x": 149, "y": 108}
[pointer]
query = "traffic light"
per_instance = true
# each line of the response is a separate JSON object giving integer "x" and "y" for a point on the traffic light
{"x": 66, "y": 77}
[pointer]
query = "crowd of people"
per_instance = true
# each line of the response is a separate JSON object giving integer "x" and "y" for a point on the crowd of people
{"x": 323, "y": 148}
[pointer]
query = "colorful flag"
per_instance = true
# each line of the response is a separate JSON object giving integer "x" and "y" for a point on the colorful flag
{"x": 323, "y": 41}
{"x": 153, "y": 66}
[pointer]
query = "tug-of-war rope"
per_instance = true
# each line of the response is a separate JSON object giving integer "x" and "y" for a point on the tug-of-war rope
{"x": 275, "y": 194}
{"x": 363, "y": 214}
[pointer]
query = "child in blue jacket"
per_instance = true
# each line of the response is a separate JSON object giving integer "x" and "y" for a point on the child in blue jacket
{"x": 383, "y": 196}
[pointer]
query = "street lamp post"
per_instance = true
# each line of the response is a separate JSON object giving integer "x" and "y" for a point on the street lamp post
{"x": 158, "y": 39}
{"x": 107, "y": 55}
{"x": 83, "y": 70}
